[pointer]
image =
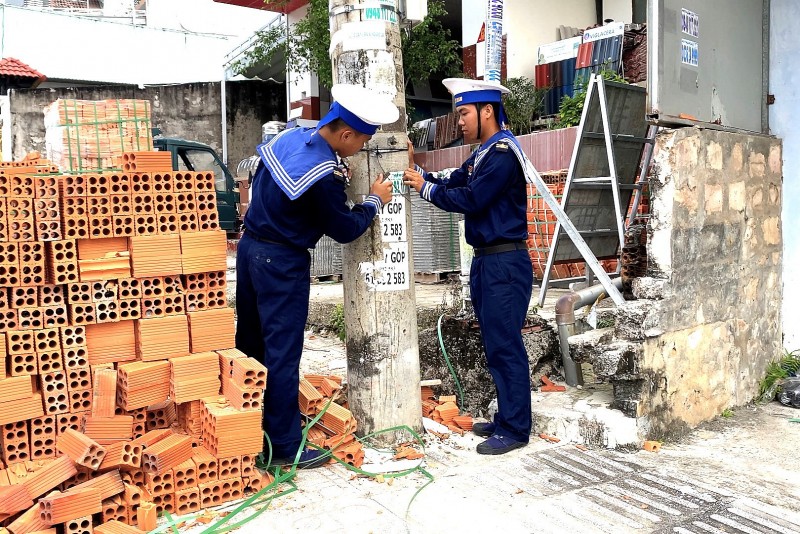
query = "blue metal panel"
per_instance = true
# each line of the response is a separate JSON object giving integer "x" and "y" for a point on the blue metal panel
{"x": 568, "y": 77}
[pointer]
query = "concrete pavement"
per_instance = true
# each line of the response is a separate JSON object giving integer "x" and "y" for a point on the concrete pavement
{"x": 734, "y": 474}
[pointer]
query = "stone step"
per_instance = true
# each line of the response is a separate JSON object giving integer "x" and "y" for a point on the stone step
{"x": 584, "y": 416}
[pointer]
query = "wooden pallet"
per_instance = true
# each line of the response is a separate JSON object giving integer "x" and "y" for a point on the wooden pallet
{"x": 433, "y": 278}
{"x": 326, "y": 278}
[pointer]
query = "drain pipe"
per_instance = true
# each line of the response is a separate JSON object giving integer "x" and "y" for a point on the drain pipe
{"x": 565, "y": 319}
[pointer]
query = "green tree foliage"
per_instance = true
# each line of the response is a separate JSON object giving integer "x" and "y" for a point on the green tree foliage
{"x": 524, "y": 101}
{"x": 427, "y": 48}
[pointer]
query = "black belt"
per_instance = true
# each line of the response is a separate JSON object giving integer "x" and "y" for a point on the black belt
{"x": 249, "y": 233}
{"x": 505, "y": 247}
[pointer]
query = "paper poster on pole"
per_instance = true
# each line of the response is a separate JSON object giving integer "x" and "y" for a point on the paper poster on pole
{"x": 364, "y": 35}
{"x": 393, "y": 214}
{"x": 494, "y": 40}
{"x": 393, "y": 273}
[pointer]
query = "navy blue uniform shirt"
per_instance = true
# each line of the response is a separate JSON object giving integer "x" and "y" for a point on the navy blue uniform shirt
{"x": 320, "y": 204}
{"x": 489, "y": 189}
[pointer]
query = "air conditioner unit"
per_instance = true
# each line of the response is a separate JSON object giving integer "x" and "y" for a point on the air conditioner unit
{"x": 413, "y": 11}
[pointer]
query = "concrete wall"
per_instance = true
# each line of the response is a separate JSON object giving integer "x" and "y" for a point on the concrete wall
{"x": 785, "y": 85}
{"x": 190, "y": 111}
{"x": 713, "y": 318}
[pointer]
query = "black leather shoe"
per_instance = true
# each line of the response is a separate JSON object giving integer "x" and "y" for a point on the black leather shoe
{"x": 499, "y": 445}
{"x": 309, "y": 459}
{"x": 483, "y": 430}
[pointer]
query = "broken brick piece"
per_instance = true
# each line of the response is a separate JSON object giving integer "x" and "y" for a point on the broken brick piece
{"x": 260, "y": 480}
{"x": 551, "y": 439}
{"x": 49, "y": 476}
{"x": 550, "y": 386}
{"x": 147, "y": 516}
{"x": 408, "y": 453}
{"x": 463, "y": 421}
{"x": 652, "y": 446}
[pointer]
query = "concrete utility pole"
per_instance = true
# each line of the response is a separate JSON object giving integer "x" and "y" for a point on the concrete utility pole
{"x": 379, "y": 305}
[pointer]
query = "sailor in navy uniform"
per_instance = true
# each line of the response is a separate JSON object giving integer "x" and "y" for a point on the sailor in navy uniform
{"x": 298, "y": 194}
{"x": 490, "y": 190}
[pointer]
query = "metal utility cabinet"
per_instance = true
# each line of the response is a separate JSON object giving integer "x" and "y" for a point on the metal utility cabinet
{"x": 709, "y": 62}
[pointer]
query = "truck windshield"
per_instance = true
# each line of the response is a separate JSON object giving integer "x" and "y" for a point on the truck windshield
{"x": 197, "y": 160}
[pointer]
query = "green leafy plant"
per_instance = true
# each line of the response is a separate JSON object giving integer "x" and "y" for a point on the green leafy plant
{"x": 337, "y": 322}
{"x": 524, "y": 101}
{"x": 571, "y": 107}
{"x": 775, "y": 373}
{"x": 727, "y": 413}
{"x": 427, "y": 48}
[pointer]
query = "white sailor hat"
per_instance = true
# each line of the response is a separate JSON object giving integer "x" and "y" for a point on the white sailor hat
{"x": 466, "y": 91}
{"x": 360, "y": 108}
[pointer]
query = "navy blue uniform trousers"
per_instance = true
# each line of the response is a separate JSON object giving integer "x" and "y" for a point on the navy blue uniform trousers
{"x": 272, "y": 289}
{"x": 500, "y": 288}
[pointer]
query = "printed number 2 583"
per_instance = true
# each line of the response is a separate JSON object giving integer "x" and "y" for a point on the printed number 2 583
{"x": 393, "y": 230}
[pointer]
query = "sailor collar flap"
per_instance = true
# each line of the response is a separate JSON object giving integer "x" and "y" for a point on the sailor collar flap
{"x": 297, "y": 159}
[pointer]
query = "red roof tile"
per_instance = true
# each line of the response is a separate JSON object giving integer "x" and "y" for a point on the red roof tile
{"x": 10, "y": 66}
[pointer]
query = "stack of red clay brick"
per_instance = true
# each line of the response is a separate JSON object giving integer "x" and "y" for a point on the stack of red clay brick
{"x": 336, "y": 428}
{"x": 120, "y": 396}
{"x": 444, "y": 410}
{"x": 82, "y": 135}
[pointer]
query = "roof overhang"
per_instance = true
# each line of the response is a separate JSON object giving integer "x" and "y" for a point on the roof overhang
{"x": 278, "y": 6}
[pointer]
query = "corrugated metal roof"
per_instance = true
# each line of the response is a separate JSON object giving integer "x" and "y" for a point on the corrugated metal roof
{"x": 10, "y": 66}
